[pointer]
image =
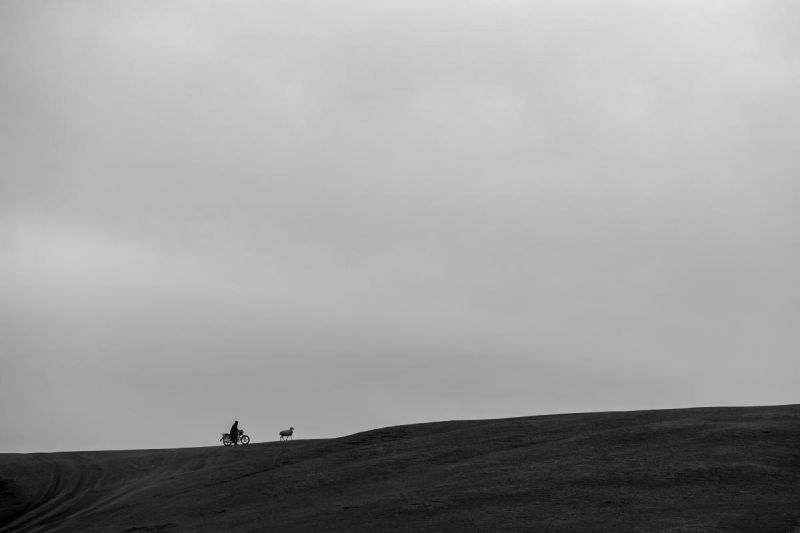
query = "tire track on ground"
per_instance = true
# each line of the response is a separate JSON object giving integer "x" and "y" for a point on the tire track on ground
{"x": 79, "y": 485}
{"x": 49, "y": 497}
{"x": 76, "y": 485}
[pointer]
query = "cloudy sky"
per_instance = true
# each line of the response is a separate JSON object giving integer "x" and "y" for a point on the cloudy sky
{"x": 348, "y": 215}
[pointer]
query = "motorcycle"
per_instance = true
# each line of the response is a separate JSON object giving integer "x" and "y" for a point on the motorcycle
{"x": 241, "y": 438}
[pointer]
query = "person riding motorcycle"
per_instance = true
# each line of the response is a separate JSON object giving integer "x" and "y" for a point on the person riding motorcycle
{"x": 234, "y": 434}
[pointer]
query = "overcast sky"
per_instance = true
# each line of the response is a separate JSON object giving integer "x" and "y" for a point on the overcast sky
{"x": 348, "y": 215}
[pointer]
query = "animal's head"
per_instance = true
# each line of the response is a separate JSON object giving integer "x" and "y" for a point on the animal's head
{"x": 291, "y": 429}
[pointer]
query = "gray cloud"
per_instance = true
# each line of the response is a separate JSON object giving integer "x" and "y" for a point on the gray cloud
{"x": 367, "y": 215}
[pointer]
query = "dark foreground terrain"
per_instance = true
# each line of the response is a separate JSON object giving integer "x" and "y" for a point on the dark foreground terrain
{"x": 704, "y": 470}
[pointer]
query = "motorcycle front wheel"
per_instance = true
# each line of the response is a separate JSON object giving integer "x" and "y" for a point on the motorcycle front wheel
{"x": 245, "y": 439}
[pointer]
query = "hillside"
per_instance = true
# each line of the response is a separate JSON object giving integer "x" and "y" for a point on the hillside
{"x": 706, "y": 469}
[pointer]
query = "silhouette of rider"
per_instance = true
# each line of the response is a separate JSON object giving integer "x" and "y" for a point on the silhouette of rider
{"x": 235, "y": 433}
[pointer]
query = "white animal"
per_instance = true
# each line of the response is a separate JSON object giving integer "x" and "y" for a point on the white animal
{"x": 286, "y": 434}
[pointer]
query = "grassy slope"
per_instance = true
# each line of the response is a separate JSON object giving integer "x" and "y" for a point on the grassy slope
{"x": 714, "y": 469}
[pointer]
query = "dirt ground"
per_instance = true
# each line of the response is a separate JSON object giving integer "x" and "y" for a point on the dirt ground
{"x": 688, "y": 470}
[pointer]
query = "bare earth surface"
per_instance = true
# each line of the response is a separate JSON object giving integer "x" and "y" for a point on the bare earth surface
{"x": 688, "y": 470}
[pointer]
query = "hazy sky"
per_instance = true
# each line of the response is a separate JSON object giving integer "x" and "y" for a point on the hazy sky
{"x": 348, "y": 215}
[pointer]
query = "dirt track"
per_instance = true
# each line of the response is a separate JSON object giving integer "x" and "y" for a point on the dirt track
{"x": 735, "y": 469}
{"x": 58, "y": 490}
